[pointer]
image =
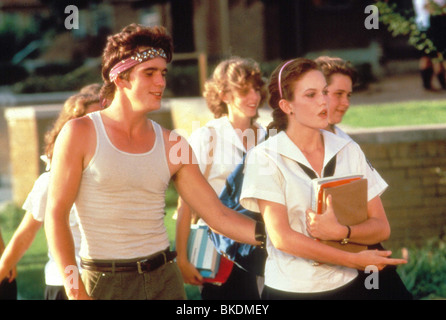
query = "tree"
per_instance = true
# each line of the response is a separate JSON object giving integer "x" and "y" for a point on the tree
{"x": 403, "y": 24}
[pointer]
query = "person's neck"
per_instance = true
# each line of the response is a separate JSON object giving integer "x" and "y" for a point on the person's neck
{"x": 241, "y": 123}
{"x": 122, "y": 114}
{"x": 311, "y": 143}
{"x": 308, "y": 140}
{"x": 331, "y": 128}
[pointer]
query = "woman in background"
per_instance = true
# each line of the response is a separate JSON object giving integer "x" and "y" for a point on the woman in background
{"x": 76, "y": 106}
{"x": 341, "y": 78}
{"x": 233, "y": 95}
{"x": 8, "y": 286}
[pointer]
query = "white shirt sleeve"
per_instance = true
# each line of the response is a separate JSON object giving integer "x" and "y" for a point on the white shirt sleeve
{"x": 37, "y": 198}
{"x": 376, "y": 185}
{"x": 199, "y": 141}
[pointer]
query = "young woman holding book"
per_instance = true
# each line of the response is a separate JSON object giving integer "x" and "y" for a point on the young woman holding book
{"x": 277, "y": 186}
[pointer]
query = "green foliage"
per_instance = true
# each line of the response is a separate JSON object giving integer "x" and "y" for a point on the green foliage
{"x": 71, "y": 81}
{"x": 30, "y": 275}
{"x": 425, "y": 273}
{"x": 10, "y": 217}
{"x": 183, "y": 80}
{"x": 15, "y": 33}
{"x": 30, "y": 269}
{"x": 399, "y": 24}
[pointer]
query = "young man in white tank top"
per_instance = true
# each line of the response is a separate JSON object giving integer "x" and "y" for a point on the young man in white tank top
{"x": 115, "y": 167}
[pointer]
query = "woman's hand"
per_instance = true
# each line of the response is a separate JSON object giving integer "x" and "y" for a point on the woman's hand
{"x": 190, "y": 273}
{"x": 325, "y": 226}
{"x": 377, "y": 258}
{"x": 10, "y": 275}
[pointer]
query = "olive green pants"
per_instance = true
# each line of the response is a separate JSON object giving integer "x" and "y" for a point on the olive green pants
{"x": 164, "y": 283}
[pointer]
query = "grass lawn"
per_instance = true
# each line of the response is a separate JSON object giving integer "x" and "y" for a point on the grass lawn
{"x": 30, "y": 269}
{"x": 396, "y": 114}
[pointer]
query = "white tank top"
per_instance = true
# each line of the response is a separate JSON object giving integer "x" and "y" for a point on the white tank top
{"x": 121, "y": 199}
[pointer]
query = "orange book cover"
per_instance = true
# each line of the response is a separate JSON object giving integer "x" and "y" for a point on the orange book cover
{"x": 349, "y": 199}
{"x": 321, "y": 183}
{"x": 332, "y": 184}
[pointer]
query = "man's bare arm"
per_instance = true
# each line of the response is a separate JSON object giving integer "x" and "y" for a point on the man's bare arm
{"x": 66, "y": 173}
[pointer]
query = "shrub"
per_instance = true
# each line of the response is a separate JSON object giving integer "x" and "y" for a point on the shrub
{"x": 10, "y": 73}
{"x": 10, "y": 216}
{"x": 425, "y": 273}
{"x": 71, "y": 81}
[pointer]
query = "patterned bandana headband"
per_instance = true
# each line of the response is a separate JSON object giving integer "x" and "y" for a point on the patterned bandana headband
{"x": 280, "y": 77}
{"x": 138, "y": 58}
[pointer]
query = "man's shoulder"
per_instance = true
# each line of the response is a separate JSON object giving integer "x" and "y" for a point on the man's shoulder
{"x": 172, "y": 138}
{"x": 79, "y": 124}
{"x": 178, "y": 149}
{"x": 77, "y": 132}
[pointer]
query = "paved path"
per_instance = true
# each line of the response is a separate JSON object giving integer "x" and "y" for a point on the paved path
{"x": 402, "y": 87}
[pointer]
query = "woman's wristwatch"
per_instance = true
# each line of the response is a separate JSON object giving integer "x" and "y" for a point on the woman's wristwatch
{"x": 260, "y": 233}
{"x": 347, "y": 238}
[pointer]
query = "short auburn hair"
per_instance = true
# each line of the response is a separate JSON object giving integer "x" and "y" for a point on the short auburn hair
{"x": 126, "y": 43}
{"x": 333, "y": 65}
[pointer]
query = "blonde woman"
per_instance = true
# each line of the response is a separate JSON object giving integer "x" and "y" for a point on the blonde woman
{"x": 233, "y": 94}
{"x": 76, "y": 106}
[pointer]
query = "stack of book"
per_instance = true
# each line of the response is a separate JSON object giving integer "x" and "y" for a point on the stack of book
{"x": 349, "y": 200}
{"x": 202, "y": 254}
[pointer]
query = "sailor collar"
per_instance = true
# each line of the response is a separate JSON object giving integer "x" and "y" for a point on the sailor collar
{"x": 283, "y": 145}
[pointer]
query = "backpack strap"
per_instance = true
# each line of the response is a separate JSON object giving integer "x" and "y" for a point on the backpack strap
{"x": 328, "y": 170}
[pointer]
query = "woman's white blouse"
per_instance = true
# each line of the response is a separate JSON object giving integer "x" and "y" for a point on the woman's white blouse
{"x": 36, "y": 204}
{"x": 273, "y": 174}
{"x": 228, "y": 149}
